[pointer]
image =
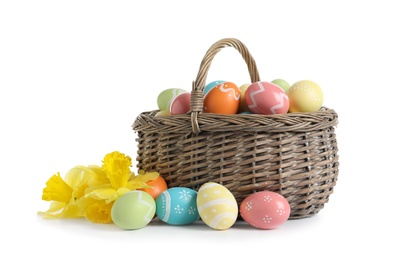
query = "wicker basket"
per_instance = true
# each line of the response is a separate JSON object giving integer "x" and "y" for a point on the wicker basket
{"x": 294, "y": 154}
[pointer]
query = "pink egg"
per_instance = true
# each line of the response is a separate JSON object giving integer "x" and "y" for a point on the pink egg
{"x": 181, "y": 104}
{"x": 266, "y": 98}
{"x": 265, "y": 209}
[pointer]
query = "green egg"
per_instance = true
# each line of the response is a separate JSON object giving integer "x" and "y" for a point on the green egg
{"x": 166, "y": 97}
{"x": 282, "y": 84}
{"x": 133, "y": 210}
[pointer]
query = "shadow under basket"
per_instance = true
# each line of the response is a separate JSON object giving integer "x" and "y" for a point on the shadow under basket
{"x": 293, "y": 154}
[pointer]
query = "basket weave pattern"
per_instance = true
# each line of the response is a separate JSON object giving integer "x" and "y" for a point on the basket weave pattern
{"x": 294, "y": 154}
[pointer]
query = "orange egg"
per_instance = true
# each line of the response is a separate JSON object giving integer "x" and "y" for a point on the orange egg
{"x": 224, "y": 98}
{"x": 158, "y": 185}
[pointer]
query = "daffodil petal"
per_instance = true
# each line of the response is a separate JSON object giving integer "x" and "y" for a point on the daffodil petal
{"x": 72, "y": 211}
{"x": 97, "y": 175}
{"x": 121, "y": 191}
{"x": 54, "y": 207}
{"x": 101, "y": 194}
{"x": 148, "y": 176}
{"x": 137, "y": 185}
{"x": 76, "y": 176}
{"x": 62, "y": 210}
{"x": 85, "y": 202}
{"x": 140, "y": 181}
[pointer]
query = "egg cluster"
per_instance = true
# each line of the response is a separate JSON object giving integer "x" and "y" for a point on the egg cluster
{"x": 213, "y": 203}
{"x": 262, "y": 97}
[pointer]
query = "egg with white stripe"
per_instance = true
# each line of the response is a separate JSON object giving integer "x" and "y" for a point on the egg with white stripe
{"x": 223, "y": 98}
{"x": 133, "y": 210}
{"x": 266, "y": 98}
{"x": 177, "y": 206}
{"x": 217, "y": 206}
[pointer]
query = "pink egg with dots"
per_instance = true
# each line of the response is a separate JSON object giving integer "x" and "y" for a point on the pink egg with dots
{"x": 181, "y": 104}
{"x": 265, "y": 209}
{"x": 266, "y": 98}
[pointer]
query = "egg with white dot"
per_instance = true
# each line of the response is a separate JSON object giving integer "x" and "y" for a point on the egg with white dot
{"x": 265, "y": 209}
{"x": 177, "y": 206}
{"x": 282, "y": 84}
{"x": 305, "y": 96}
{"x": 217, "y": 206}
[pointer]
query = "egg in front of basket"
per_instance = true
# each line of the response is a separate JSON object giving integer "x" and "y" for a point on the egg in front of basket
{"x": 133, "y": 210}
{"x": 177, "y": 206}
{"x": 265, "y": 209}
{"x": 217, "y": 206}
{"x": 223, "y": 98}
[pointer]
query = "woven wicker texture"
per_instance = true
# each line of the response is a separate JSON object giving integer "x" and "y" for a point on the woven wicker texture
{"x": 294, "y": 154}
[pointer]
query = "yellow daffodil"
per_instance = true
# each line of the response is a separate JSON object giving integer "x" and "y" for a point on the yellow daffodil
{"x": 116, "y": 166}
{"x": 64, "y": 194}
{"x": 91, "y": 191}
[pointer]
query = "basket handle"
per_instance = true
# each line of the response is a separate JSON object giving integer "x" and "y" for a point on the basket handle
{"x": 199, "y": 84}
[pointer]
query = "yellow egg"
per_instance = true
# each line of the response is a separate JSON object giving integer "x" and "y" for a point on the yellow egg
{"x": 217, "y": 206}
{"x": 163, "y": 113}
{"x": 305, "y": 96}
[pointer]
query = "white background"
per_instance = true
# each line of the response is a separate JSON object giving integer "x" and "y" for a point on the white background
{"x": 75, "y": 74}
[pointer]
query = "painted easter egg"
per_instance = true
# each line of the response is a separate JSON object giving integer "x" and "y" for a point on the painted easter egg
{"x": 243, "y": 106}
{"x": 211, "y": 85}
{"x": 282, "y": 84}
{"x": 266, "y": 98}
{"x": 181, "y": 104}
{"x": 156, "y": 186}
{"x": 305, "y": 96}
{"x": 222, "y": 99}
{"x": 165, "y": 98}
{"x": 265, "y": 209}
{"x": 217, "y": 206}
{"x": 163, "y": 113}
{"x": 177, "y": 206}
{"x": 133, "y": 210}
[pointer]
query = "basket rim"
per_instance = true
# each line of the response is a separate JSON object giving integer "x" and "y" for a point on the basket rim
{"x": 295, "y": 122}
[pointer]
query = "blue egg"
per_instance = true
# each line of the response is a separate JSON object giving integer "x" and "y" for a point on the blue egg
{"x": 177, "y": 206}
{"x": 212, "y": 85}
